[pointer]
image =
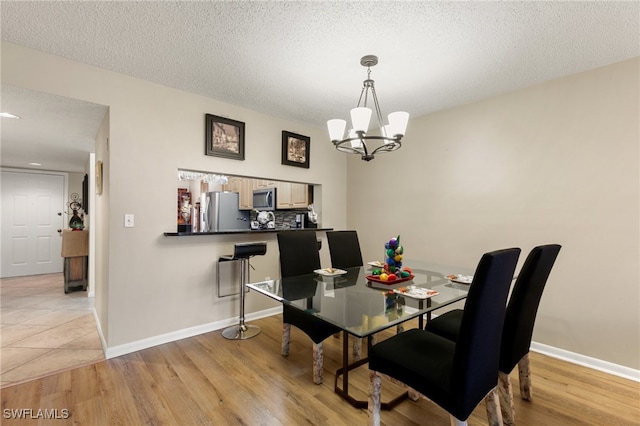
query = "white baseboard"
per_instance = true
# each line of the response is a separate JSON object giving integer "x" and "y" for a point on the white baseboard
{"x": 586, "y": 361}
{"x": 103, "y": 341}
{"x": 572, "y": 357}
{"x": 115, "y": 351}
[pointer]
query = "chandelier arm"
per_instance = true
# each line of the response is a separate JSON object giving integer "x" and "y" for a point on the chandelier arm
{"x": 349, "y": 150}
{"x": 361, "y": 137}
{"x": 377, "y": 105}
{"x": 362, "y": 92}
{"x": 388, "y": 140}
{"x": 388, "y": 147}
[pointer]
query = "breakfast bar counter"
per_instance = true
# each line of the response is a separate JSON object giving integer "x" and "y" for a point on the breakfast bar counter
{"x": 246, "y": 231}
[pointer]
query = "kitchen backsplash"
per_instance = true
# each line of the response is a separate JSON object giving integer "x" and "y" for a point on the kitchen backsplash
{"x": 284, "y": 218}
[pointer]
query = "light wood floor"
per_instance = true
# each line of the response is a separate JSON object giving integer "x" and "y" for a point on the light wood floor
{"x": 208, "y": 380}
{"x": 44, "y": 330}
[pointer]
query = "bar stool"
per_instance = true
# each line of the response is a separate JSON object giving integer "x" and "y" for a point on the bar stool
{"x": 242, "y": 252}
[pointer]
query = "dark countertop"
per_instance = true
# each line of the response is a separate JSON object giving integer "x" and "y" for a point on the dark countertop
{"x": 248, "y": 231}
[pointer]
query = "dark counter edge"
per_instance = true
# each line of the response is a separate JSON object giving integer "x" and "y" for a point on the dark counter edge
{"x": 248, "y": 231}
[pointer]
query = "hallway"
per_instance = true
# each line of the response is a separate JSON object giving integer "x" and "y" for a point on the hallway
{"x": 43, "y": 330}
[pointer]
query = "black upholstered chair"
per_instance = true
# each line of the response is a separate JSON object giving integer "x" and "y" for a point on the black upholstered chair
{"x": 456, "y": 375}
{"x": 518, "y": 325}
{"x": 344, "y": 249}
{"x": 299, "y": 255}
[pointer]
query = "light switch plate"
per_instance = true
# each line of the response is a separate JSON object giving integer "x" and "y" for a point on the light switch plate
{"x": 128, "y": 220}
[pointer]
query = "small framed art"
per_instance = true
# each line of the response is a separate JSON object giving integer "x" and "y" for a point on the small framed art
{"x": 295, "y": 149}
{"x": 224, "y": 137}
{"x": 99, "y": 177}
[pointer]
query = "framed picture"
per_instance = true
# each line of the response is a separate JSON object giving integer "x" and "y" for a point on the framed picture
{"x": 99, "y": 177}
{"x": 295, "y": 149}
{"x": 224, "y": 137}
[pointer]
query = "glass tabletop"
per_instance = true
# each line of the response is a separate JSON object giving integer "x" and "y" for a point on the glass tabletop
{"x": 363, "y": 307}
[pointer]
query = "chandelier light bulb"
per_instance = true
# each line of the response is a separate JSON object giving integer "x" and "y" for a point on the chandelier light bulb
{"x": 356, "y": 142}
{"x": 336, "y": 128}
{"x": 360, "y": 118}
{"x": 398, "y": 123}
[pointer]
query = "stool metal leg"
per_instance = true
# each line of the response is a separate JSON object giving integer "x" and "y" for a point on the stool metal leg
{"x": 241, "y": 331}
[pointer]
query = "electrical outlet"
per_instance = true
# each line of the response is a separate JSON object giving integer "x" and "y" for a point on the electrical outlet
{"x": 128, "y": 220}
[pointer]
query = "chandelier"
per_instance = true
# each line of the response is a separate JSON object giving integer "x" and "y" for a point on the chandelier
{"x": 358, "y": 141}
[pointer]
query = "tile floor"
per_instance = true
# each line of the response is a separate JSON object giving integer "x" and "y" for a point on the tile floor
{"x": 43, "y": 330}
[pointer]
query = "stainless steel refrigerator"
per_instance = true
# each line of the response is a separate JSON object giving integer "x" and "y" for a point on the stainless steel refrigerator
{"x": 219, "y": 211}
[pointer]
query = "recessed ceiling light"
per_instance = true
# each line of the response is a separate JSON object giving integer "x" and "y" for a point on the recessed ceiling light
{"x": 8, "y": 115}
{"x": 35, "y": 164}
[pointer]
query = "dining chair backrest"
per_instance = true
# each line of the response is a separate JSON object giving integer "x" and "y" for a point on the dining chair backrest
{"x": 299, "y": 254}
{"x": 456, "y": 375}
{"x": 475, "y": 363}
{"x": 344, "y": 249}
{"x": 523, "y": 305}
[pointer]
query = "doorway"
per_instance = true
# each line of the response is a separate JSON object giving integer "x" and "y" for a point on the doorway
{"x": 32, "y": 218}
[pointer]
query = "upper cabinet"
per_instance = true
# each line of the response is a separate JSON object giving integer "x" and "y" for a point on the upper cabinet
{"x": 263, "y": 183}
{"x": 292, "y": 195}
{"x": 288, "y": 195}
{"x": 244, "y": 187}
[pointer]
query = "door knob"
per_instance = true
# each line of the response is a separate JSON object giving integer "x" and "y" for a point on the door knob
{"x": 59, "y": 231}
{"x": 59, "y": 213}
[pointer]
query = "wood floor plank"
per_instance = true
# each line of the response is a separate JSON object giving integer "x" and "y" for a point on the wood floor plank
{"x": 209, "y": 380}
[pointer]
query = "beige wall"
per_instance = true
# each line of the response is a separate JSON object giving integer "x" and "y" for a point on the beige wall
{"x": 554, "y": 163}
{"x": 154, "y": 284}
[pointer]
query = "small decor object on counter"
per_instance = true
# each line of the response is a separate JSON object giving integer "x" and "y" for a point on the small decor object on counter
{"x": 392, "y": 270}
{"x": 264, "y": 220}
{"x": 313, "y": 216}
{"x": 224, "y": 137}
{"x": 295, "y": 149}
{"x": 184, "y": 210}
{"x": 76, "y": 222}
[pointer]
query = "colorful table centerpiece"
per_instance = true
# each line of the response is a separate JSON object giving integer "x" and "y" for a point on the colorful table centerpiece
{"x": 392, "y": 272}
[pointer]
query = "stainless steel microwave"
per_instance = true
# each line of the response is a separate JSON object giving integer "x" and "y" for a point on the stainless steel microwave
{"x": 264, "y": 199}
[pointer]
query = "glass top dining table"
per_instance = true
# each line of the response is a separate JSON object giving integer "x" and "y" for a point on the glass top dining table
{"x": 362, "y": 307}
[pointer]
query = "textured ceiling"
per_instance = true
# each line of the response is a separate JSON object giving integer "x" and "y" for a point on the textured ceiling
{"x": 300, "y": 60}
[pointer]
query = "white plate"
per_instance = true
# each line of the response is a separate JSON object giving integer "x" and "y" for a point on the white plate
{"x": 376, "y": 264}
{"x": 416, "y": 292}
{"x": 458, "y": 278}
{"x": 330, "y": 272}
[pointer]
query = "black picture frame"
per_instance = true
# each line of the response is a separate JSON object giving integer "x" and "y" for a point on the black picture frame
{"x": 224, "y": 137}
{"x": 295, "y": 149}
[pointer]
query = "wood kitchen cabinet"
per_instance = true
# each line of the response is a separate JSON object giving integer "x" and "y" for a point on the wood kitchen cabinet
{"x": 292, "y": 195}
{"x": 246, "y": 194}
{"x": 233, "y": 185}
{"x": 244, "y": 188}
{"x": 288, "y": 195}
{"x": 263, "y": 183}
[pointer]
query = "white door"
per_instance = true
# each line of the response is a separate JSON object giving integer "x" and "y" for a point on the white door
{"x": 32, "y": 214}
